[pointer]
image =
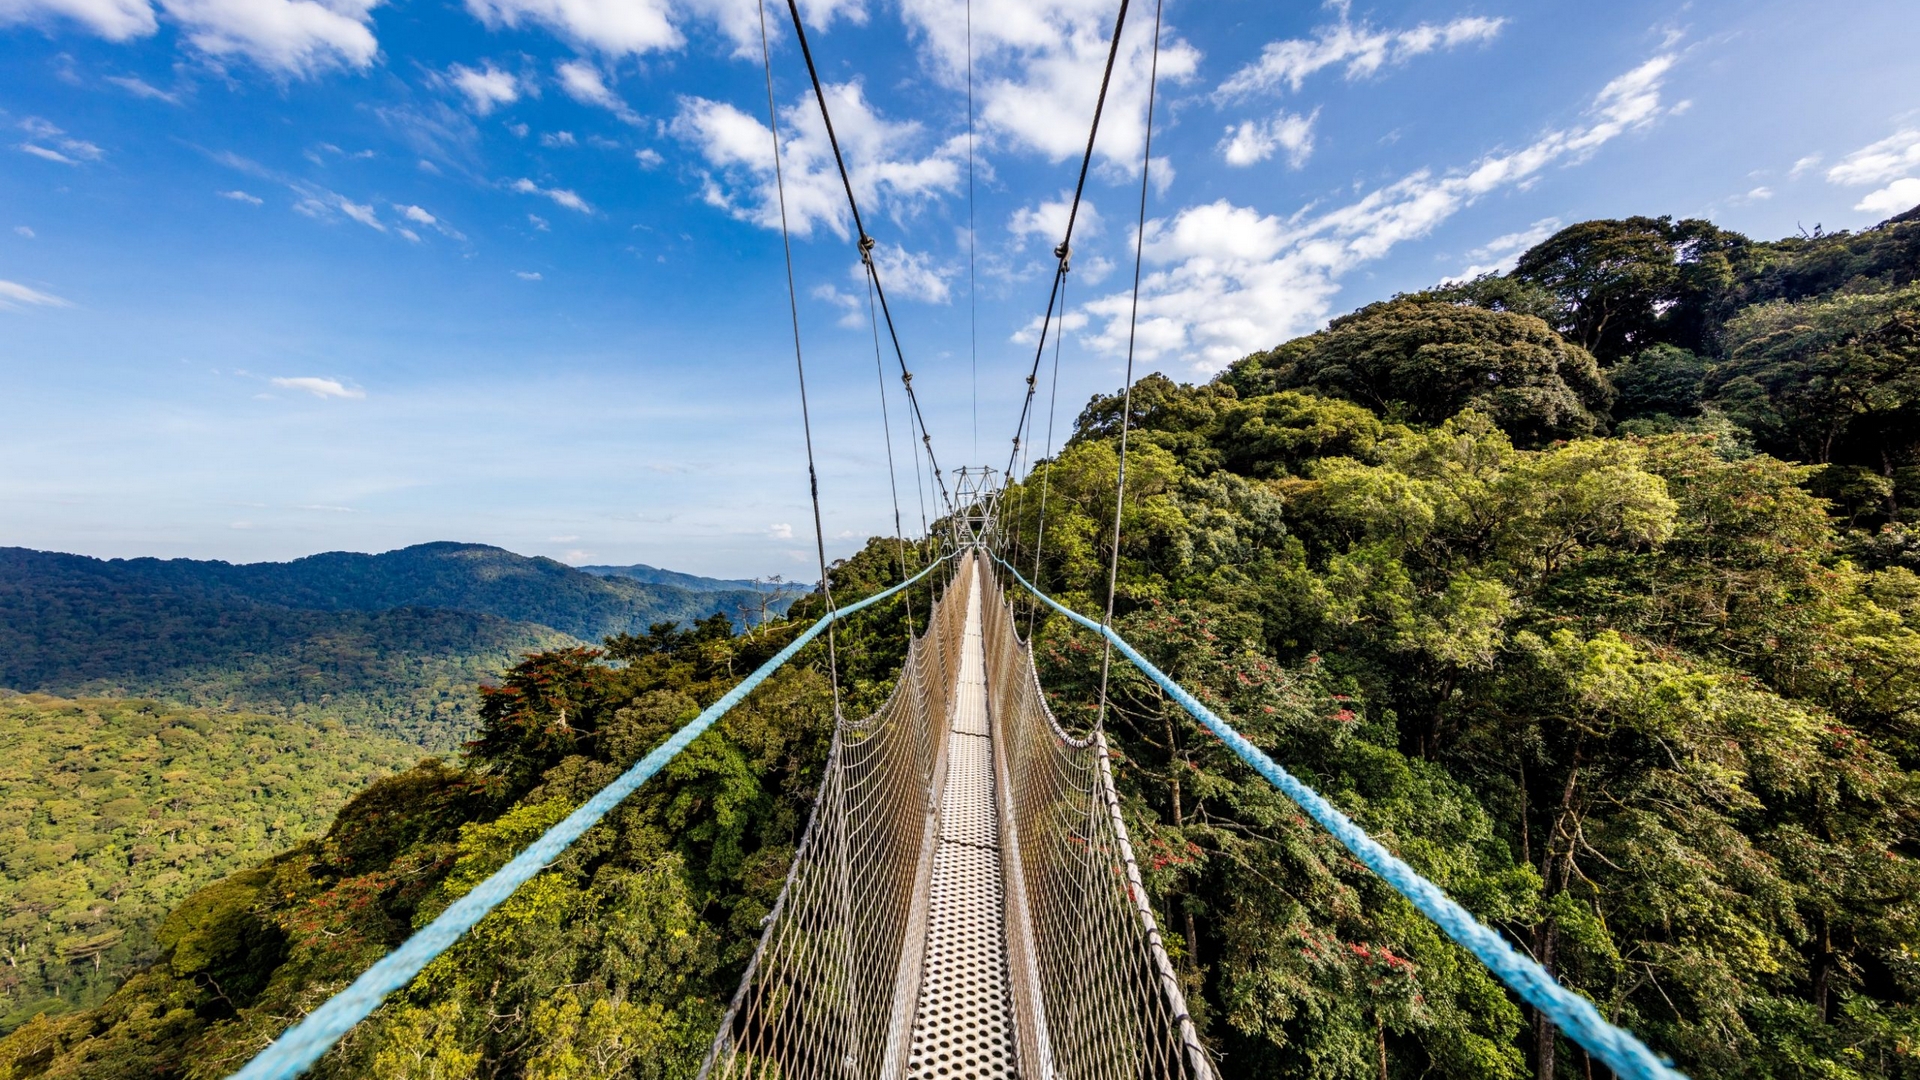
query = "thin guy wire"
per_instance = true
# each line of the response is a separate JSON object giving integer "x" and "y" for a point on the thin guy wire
{"x": 1065, "y": 251}
{"x": 800, "y": 366}
{"x": 1126, "y": 398}
{"x": 865, "y": 243}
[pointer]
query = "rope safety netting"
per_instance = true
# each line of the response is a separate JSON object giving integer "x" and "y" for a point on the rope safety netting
{"x": 852, "y": 977}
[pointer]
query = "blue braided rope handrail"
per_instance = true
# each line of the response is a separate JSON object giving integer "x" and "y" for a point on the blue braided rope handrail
{"x": 1573, "y": 1014}
{"x": 302, "y": 1045}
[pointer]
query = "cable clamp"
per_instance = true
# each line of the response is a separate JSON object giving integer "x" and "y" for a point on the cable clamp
{"x": 1064, "y": 254}
{"x": 866, "y": 249}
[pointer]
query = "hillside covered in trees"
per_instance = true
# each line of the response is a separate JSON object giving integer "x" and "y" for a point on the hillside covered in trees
{"x": 396, "y": 642}
{"x": 1590, "y": 589}
{"x": 114, "y": 811}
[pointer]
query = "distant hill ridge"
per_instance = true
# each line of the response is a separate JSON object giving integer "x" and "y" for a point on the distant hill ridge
{"x": 655, "y": 575}
{"x": 395, "y": 641}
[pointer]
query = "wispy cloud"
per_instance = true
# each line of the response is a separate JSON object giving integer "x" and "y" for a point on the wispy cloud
{"x": 319, "y": 387}
{"x": 1893, "y": 162}
{"x": 1362, "y": 48}
{"x": 1498, "y": 255}
{"x": 527, "y": 275}
{"x": 240, "y": 196}
{"x": 13, "y": 294}
{"x": 561, "y": 196}
{"x": 584, "y": 83}
{"x": 141, "y": 88}
{"x": 70, "y": 151}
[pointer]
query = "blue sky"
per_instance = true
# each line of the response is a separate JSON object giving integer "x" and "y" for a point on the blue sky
{"x": 283, "y": 276}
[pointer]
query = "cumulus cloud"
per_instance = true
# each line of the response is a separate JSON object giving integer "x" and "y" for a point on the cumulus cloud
{"x": 1362, "y": 48}
{"x": 1048, "y": 220}
{"x": 909, "y": 274}
{"x": 780, "y": 531}
{"x": 648, "y": 158}
{"x": 740, "y": 23}
{"x": 1037, "y": 66}
{"x": 583, "y": 83}
{"x": 486, "y": 88}
{"x": 610, "y": 27}
{"x": 320, "y": 388}
{"x": 13, "y": 294}
{"x": 1254, "y": 141}
{"x": 1229, "y": 280}
{"x": 1902, "y": 194}
{"x": 891, "y": 171}
{"x": 559, "y": 195}
{"x": 115, "y": 20}
{"x": 287, "y": 37}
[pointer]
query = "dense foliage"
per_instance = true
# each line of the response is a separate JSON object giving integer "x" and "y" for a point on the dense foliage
{"x": 112, "y": 812}
{"x": 618, "y": 962}
{"x": 1589, "y": 589}
{"x": 395, "y": 642}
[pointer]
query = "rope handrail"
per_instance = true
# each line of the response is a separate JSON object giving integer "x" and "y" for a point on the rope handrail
{"x": 300, "y": 1046}
{"x": 1574, "y": 1015}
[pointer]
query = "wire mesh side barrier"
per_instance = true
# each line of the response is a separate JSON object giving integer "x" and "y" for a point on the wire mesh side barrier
{"x": 819, "y": 998}
{"x": 1084, "y": 939}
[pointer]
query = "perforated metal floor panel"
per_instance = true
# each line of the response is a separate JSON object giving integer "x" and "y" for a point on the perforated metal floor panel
{"x": 962, "y": 1026}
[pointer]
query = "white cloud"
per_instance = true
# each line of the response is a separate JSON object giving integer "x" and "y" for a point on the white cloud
{"x": 1030, "y": 333}
{"x": 1048, "y": 220}
{"x": 240, "y": 196}
{"x": 486, "y": 89}
{"x": 71, "y": 151}
{"x": 408, "y": 234}
{"x": 1903, "y": 194}
{"x": 288, "y": 37}
{"x": 781, "y": 531}
{"x": 611, "y": 27}
{"x": 418, "y": 215}
{"x": 1037, "y": 67}
{"x": 648, "y": 158}
{"x": 539, "y": 223}
{"x": 12, "y": 294}
{"x": 320, "y": 388}
{"x": 527, "y": 275}
{"x": 559, "y": 195}
{"x": 24, "y": 230}
{"x": 908, "y": 274}
{"x": 115, "y": 20}
{"x": 46, "y": 154}
{"x": 1802, "y": 166}
{"x": 740, "y": 22}
{"x": 1229, "y": 280}
{"x": 1498, "y": 255}
{"x": 888, "y": 172}
{"x": 584, "y": 84}
{"x": 140, "y": 88}
{"x": 558, "y": 138}
{"x": 1892, "y": 157}
{"x": 1362, "y": 48}
{"x": 1255, "y": 141}
{"x": 321, "y": 203}
{"x": 851, "y": 315}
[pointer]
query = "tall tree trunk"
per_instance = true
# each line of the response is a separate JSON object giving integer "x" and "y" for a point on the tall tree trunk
{"x": 1823, "y": 965}
{"x": 1545, "y": 1036}
{"x": 1380, "y": 1040}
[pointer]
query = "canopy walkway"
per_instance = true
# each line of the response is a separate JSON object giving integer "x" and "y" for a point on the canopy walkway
{"x": 965, "y": 902}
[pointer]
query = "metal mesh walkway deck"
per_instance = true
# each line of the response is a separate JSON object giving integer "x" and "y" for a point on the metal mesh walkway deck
{"x": 963, "y": 1022}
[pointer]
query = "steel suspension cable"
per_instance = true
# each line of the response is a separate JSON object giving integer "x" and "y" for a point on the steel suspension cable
{"x": 1065, "y": 251}
{"x": 1126, "y": 396}
{"x": 893, "y": 484}
{"x": 1046, "y": 478}
{"x": 866, "y": 245}
{"x": 973, "y": 303}
{"x": 799, "y": 362}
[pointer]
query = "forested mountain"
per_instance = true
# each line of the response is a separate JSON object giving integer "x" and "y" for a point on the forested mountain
{"x": 693, "y": 582}
{"x": 1588, "y": 589}
{"x": 395, "y": 641}
{"x": 112, "y": 812}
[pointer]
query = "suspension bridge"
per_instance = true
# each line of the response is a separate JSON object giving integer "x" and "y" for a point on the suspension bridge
{"x": 964, "y": 903}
